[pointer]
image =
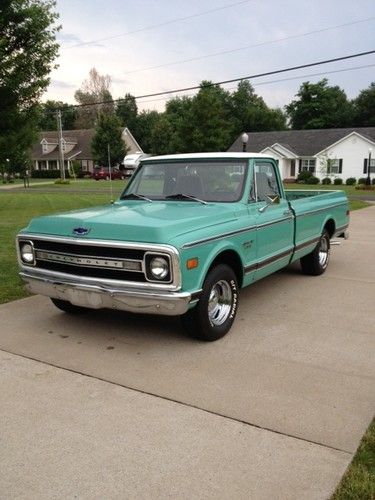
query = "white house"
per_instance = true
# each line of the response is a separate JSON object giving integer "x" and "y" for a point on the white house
{"x": 345, "y": 151}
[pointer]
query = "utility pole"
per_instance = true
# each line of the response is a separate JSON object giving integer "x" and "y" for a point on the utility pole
{"x": 61, "y": 152}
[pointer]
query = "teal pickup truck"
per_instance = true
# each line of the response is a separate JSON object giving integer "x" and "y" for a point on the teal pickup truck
{"x": 186, "y": 234}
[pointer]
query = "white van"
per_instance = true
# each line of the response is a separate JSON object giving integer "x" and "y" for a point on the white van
{"x": 131, "y": 162}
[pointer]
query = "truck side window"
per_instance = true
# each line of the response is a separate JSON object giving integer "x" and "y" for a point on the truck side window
{"x": 264, "y": 183}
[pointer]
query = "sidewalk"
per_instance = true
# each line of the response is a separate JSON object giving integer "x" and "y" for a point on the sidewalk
{"x": 111, "y": 405}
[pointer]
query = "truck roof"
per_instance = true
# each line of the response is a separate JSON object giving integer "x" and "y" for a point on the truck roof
{"x": 191, "y": 156}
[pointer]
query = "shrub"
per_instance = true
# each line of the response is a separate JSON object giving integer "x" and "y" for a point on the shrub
{"x": 362, "y": 180}
{"x": 326, "y": 180}
{"x": 312, "y": 180}
{"x": 351, "y": 181}
{"x": 304, "y": 176}
{"x": 373, "y": 182}
{"x": 337, "y": 182}
{"x": 48, "y": 174}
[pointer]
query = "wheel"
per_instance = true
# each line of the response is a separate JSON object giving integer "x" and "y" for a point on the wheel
{"x": 316, "y": 262}
{"x": 214, "y": 314}
{"x": 67, "y": 307}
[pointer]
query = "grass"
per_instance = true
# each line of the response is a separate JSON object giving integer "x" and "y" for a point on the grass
{"x": 358, "y": 483}
{"x": 16, "y": 210}
{"x": 349, "y": 190}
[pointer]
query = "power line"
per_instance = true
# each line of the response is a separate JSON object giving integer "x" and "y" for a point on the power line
{"x": 223, "y": 82}
{"x": 249, "y": 77}
{"x": 245, "y": 47}
{"x": 279, "y": 80}
{"x": 166, "y": 23}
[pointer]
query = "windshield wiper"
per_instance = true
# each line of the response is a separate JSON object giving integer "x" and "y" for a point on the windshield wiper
{"x": 182, "y": 196}
{"x": 134, "y": 196}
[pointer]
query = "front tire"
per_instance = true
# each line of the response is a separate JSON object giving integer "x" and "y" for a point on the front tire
{"x": 316, "y": 262}
{"x": 216, "y": 310}
{"x": 67, "y": 307}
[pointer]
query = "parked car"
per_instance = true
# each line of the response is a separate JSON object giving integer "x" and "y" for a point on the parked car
{"x": 183, "y": 238}
{"x": 102, "y": 173}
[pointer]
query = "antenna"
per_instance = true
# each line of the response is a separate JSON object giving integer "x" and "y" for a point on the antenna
{"x": 110, "y": 172}
{"x": 59, "y": 128}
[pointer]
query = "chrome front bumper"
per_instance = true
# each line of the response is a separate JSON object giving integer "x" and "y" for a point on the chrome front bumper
{"x": 96, "y": 296}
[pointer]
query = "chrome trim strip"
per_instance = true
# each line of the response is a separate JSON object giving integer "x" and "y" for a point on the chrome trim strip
{"x": 306, "y": 244}
{"x": 311, "y": 212}
{"x": 268, "y": 261}
{"x": 233, "y": 233}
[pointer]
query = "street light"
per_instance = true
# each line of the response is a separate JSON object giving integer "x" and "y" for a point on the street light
{"x": 244, "y": 138}
{"x": 368, "y": 180}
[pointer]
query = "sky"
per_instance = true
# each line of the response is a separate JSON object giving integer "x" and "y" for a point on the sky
{"x": 127, "y": 39}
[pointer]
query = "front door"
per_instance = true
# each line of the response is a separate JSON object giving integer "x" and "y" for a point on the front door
{"x": 274, "y": 220}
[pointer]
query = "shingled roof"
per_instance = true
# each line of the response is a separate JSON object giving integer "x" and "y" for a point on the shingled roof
{"x": 300, "y": 142}
{"x": 82, "y": 138}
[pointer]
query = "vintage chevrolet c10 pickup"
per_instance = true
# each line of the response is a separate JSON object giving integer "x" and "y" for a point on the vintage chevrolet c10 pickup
{"x": 185, "y": 235}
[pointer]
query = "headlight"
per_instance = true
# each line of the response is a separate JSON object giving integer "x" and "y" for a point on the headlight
{"x": 159, "y": 267}
{"x": 27, "y": 253}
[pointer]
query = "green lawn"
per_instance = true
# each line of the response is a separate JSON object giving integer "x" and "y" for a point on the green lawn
{"x": 349, "y": 190}
{"x": 16, "y": 209}
{"x": 358, "y": 482}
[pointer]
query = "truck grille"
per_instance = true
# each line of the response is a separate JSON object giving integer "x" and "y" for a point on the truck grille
{"x": 103, "y": 262}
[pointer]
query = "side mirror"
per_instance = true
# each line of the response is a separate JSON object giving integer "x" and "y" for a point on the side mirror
{"x": 271, "y": 200}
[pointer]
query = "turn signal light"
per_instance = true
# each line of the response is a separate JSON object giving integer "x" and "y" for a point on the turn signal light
{"x": 192, "y": 263}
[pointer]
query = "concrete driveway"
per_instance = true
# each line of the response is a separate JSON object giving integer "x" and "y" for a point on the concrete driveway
{"x": 123, "y": 406}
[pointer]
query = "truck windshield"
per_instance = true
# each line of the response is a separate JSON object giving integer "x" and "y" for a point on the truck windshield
{"x": 216, "y": 181}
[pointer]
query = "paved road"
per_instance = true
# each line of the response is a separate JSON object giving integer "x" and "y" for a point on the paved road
{"x": 123, "y": 406}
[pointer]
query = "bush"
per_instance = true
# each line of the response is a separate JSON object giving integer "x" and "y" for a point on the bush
{"x": 48, "y": 174}
{"x": 362, "y": 180}
{"x": 351, "y": 181}
{"x": 373, "y": 182}
{"x": 312, "y": 180}
{"x": 326, "y": 180}
{"x": 304, "y": 176}
{"x": 337, "y": 182}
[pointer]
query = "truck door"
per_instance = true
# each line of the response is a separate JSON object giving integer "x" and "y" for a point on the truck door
{"x": 274, "y": 220}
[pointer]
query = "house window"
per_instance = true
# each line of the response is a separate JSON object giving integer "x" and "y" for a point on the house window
{"x": 308, "y": 165}
{"x": 45, "y": 148}
{"x": 43, "y": 165}
{"x": 334, "y": 166}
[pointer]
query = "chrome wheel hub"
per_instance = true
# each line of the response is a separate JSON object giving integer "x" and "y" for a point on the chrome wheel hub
{"x": 220, "y": 303}
{"x": 323, "y": 252}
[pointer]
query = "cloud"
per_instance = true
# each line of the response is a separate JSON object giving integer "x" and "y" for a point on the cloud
{"x": 62, "y": 85}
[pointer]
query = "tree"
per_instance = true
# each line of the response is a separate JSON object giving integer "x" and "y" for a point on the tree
{"x": 108, "y": 132}
{"x": 319, "y": 106}
{"x": 48, "y": 120}
{"x": 364, "y": 107}
{"x": 28, "y": 49}
{"x": 250, "y": 113}
{"x": 146, "y": 121}
{"x": 93, "y": 90}
{"x": 127, "y": 111}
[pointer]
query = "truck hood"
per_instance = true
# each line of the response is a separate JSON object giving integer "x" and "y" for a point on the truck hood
{"x": 138, "y": 221}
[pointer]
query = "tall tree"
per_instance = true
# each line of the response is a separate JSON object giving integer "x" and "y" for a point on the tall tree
{"x": 48, "y": 111}
{"x": 126, "y": 110}
{"x": 93, "y": 90}
{"x": 28, "y": 49}
{"x": 209, "y": 125}
{"x": 364, "y": 107}
{"x": 249, "y": 112}
{"x": 145, "y": 123}
{"x": 108, "y": 132}
{"x": 319, "y": 106}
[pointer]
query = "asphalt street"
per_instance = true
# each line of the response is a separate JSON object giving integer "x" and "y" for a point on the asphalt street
{"x": 114, "y": 405}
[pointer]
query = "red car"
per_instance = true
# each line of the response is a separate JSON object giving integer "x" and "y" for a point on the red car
{"x": 102, "y": 173}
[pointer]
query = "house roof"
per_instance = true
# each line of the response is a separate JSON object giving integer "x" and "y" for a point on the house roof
{"x": 81, "y": 138}
{"x": 82, "y": 144}
{"x": 301, "y": 142}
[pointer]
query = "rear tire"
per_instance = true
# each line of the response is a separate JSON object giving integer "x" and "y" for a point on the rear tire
{"x": 316, "y": 262}
{"x": 216, "y": 310}
{"x": 67, "y": 307}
